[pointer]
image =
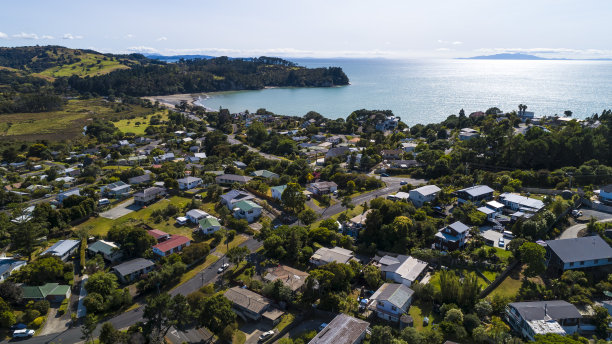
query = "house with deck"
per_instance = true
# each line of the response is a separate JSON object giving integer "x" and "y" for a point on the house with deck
{"x": 452, "y": 237}
{"x": 391, "y": 301}
{"x": 474, "y": 194}
{"x": 322, "y": 188}
{"x": 543, "y": 317}
{"x": 149, "y": 195}
{"x": 109, "y": 250}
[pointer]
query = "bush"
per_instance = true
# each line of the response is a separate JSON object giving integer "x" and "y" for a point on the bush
{"x": 30, "y": 315}
{"x": 41, "y": 306}
{"x": 37, "y": 323}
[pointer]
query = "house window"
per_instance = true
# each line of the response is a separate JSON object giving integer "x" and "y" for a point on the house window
{"x": 596, "y": 261}
{"x": 394, "y": 308}
{"x": 572, "y": 264}
{"x": 582, "y": 262}
{"x": 609, "y": 260}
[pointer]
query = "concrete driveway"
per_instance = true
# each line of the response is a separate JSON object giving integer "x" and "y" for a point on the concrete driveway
{"x": 306, "y": 326}
{"x": 120, "y": 210}
{"x": 253, "y": 330}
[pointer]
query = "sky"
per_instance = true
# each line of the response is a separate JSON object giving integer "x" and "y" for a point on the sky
{"x": 315, "y": 28}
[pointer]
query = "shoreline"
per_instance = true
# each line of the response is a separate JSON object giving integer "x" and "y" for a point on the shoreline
{"x": 171, "y": 100}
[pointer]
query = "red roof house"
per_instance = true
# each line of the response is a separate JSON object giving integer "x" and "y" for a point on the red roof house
{"x": 173, "y": 245}
{"x": 158, "y": 235}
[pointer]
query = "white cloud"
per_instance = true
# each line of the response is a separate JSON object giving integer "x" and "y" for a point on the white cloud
{"x": 142, "y": 49}
{"x": 46, "y": 37}
{"x": 444, "y": 49}
{"x": 457, "y": 43}
{"x": 71, "y": 36}
{"x": 441, "y": 41}
{"x": 3, "y": 35}
{"x": 285, "y": 52}
{"x": 24, "y": 35}
{"x": 129, "y": 35}
{"x": 162, "y": 38}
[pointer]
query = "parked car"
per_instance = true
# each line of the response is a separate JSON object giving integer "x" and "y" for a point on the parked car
{"x": 403, "y": 182}
{"x": 266, "y": 335}
{"x": 222, "y": 268}
{"x": 501, "y": 242}
{"x": 321, "y": 327}
{"x": 384, "y": 174}
{"x": 24, "y": 333}
{"x": 576, "y": 213}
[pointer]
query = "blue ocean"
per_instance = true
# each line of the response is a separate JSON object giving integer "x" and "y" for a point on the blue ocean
{"x": 427, "y": 91}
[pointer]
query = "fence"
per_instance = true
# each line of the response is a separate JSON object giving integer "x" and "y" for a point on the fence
{"x": 498, "y": 280}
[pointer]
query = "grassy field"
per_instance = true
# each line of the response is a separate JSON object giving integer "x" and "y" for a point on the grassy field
{"x": 504, "y": 255}
{"x": 64, "y": 124}
{"x": 419, "y": 310}
{"x": 101, "y": 225}
{"x": 131, "y": 126}
{"x": 435, "y": 279}
{"x": 510, "y": 285}
{"x": 90, "y": 65}
{"x": 352, "y": 213}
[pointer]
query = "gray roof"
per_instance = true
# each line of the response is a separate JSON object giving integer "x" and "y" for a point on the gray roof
{"x": 537, "y": 310}
{"x": 427, "y": 190}
{"x": 344, "y": 329}
{"x": 477, "y": 190}
{"x": 247, "y": 299}
{"x": 607, "y": 188}
{"x": 580, "y": 249}
{"x": 336, "y": 151}
{"x": 234, "y": 177}
{"x": 409, "y": 268}
{"x": 61, "y": 247}
{"x": 140, "y": 179}
{"x": 10, "y": 264}
{"x": 336, "y": 254}
{"x": 132, "y": 266}
{"x": 189, "y": 180}
{"x": 459, "y": 227}
{"x": 397, "y": 294}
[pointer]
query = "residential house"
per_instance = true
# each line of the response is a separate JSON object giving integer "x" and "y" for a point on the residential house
{"x": 392, "y": 154}
{"x": 189, "y": 183}
{"x": 525, "y": 115}
{"x": 8, "y": 266}
{"x": 409, "y": 147}
{"x": 66, "y": 181}
{"x": 72, "y": 172}
{"x": 240, "y": 165}
{"x": 399, "y": 196}
{"x": 63, "y": 249}
{"x": 158, "y": 235}
{"x": 277, "y": 191}
{"x": 326, "y": 255}
{"x": 468, "y": 134}
{"x": 52, "y": 292}
{"x": 577, "y": 253}
{"x": 109, "y": 250}
{"x": 389, "y": 123}
{"x": 452, "y": 237}
{"x": 145, "y": 178}
{"x": 424, "y": 194}
{"x": 336, "y": 152}
{"x": 209, "y": 225}
{"x": 495, "y": 206}
{"x": 149, "y": 195}
{"x": 401, "y": 269}
{"x": 334, "y": 139}
{"x": 249, "y": 305}
{"x": 229, "y": 179}
{"x": 474, "y": 194}
{"x": 605, "y": 194}
{"x": 391, "y": 301}
{"x": 343, "y": 329}
{"x": 247, "y": 210}
{"x": 174, "y": 244}
{"x": 402, "y": 164}
{"x": 322, "y": 188}
{"x": 195, "y": 215}
{"x": 354, "y": 158}
{"x": 63, "y": 195}
{"x": 355, "y": 224}
{"x": 293, "y": 279}
{"x": 264, "y": 174}
{"x": 235, "y": 196}
{"x": 163, "y": 158}
{"x": 115, "y": 189}
{"x": 543, "y": 317}
{"x": 489, "y": 213}
{"x": 318, "y": 137}
{"x": 132, "y": 269}
{"x": 521, "y": 203}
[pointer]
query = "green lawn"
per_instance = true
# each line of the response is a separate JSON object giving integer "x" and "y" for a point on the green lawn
{"x": 435, "y": 279}
{"x": 352, "y": 213}
{"x": 239, "y": 337}
{"x": 504, "y": 255}
{"x": 285, "y": 321}
{"x": 490, "y": 275}
{"x": 131, "y": 126}
{"x": 419, "y": 310}
{"x": 510, "y": 285}
{"x": 88, "y": 66}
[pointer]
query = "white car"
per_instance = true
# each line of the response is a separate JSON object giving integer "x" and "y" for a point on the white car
{"x": 266, "y": 335}
{"x": 25, "y": 333}
{"x": 223, "y": 267}
{"x": 501, "y": 242}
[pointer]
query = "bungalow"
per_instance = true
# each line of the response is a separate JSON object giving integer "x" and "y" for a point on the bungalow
{"x": 229, "y": 179}
{"x": 577, "y": 253}
{"x": 175, "y": 244}
{"x": 72, "y": 172}
{"x": 63, "y": 249}
{"x": 293, "y": 279}
{"x": 132, "y": 269}
{"x": 240, "y": 165}
{"x": 322, "y": 188}
{"x": 521, "y": 203}
{"x": 109, "y": 250}
{"x": 277, "y": 191}
{"x": 489, "y": 213}
{"x": 326, "y": 255}
{"x": 264, "y": 174}
{"x": 399, "y": 196}
{"x": 145, "y": 178}
{"x": 249, "y": 305}
{"x": 392, "y": 154}
{"x": 474, "y": 194}
{"x": 235, "y": 196}
{"x": 543, "y": 317}
{"x": 247, "y": 210}
{"x": 195, "y": 215}
{"x": 163, "y": 158}
{"x": 391, "y": 301}
{"x": 401, "y": 269}
{"x": 189, "y": 183}
{"x": 209, "y": 225}
{"x": 8, "y": 266}
{"x": 343, "y": 329}
{"x": 605, "y": 194}
{"x": 149, "y": 195}
{"x": 451, "y": 237}
{"x": 468, "y": 134}
{"x": 52, "y": 292}
{"x": 158, "y": 235}
{"x": 66, "y": 181}
{"x": 115, "y": 189}
{"x": 409, "y": 147}
{"x": 336, "y": 152}
{"x": 63, "y": 195}
{"x": 424, "y": 194}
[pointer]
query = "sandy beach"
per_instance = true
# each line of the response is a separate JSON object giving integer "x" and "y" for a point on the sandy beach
{"x": 173, "y": 99}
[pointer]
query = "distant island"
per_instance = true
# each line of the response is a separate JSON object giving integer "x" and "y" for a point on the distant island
{"x": 520, "y": 56}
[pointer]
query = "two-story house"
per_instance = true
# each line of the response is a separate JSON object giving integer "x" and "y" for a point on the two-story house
{"x": 452, "y": 237}
{"x": 115, "y": 189}
{"x": 391, "y": 301}
{"x": 195, "y": 215}
{"x": 543, "y": 317}
{"x": 322, "y": 188}
{"x": 234, "y": 196}
{"x": 521, "y": 203}
{"x": 424, "y": 194}
{"x": 189, "y": 183}
{"x": 392, "y": 154}
{"x": 474, "y": 194}
{"x": 149, "y": 195}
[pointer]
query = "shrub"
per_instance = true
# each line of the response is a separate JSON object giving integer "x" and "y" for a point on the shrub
{"x": 37, "y": 323}
{"x": 41, "y": 306}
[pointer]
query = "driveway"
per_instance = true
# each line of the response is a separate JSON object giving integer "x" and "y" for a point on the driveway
{"x": 120, "y": 210}
{"x": 572, "y": 231}
{"x": 598, "y": 215}
{"x": 253, "y": 330}
{"x": 306, "y": 326}
{"x": 55, "y": 323}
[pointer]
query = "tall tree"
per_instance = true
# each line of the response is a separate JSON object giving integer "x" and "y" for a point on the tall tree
{"x": 533, "y": 254}
{"x": 88, "y": 328}
{"x": 292, "y": 198}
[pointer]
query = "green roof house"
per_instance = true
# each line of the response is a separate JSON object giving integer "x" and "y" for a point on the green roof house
{"x": 247, "y": 210}
{"x": 107, "y": 249}
{"x": 209, "y": 225}
{"x": 52, "y": 292}
{"x": 264, "y": 174}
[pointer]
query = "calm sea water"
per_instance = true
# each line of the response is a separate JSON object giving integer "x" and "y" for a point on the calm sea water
{"x": 428, "y": 91}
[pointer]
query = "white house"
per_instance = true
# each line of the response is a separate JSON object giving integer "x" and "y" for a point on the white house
{"x": 247, "y": 210}
{"x": 521, "y": 203}
{"x": 424, "y": 194}
{"x": 189, "y": 183}
{"x": 63, "y": 249}
{"x": 277, "y": 191}
{"x": 326, "y": 255}
{"x": 391, "y": 301}
{"x": 322, "y": 188}
{"x": 8, "y": 266}
{"x": 195, "y": 215}
{"x": 401, "y": 269}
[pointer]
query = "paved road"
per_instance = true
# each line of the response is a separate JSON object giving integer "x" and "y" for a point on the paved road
{"x": 232, "y": 139}
{"x": 572, "y": 231}
{"x": 129, "y": 318}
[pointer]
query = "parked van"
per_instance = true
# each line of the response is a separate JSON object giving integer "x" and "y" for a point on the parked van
{"x": 103, "y": 201}
{"x": 508, "y": 235}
